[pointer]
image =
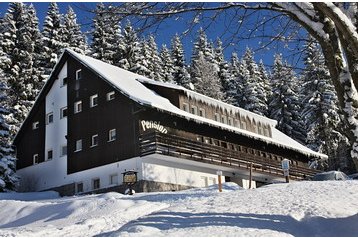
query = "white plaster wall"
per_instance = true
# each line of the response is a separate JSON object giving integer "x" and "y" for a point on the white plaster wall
{"x": 178, "y": 174}
{"x": 56, "y": 131}
{"x": 53, "y": 174}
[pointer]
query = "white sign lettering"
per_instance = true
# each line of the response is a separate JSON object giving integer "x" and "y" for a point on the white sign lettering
{"x": 153, "y": 125}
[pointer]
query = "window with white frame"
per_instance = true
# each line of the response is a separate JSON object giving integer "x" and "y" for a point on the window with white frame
{"x": 201, "y": 112}
{"x": 78, "y": 106}
{"x": 96, "y": 184}
{"x": 94, "y": 140}
{"x": 49, "y": 154}
{"x": 78, "y": 74}
{"x": 223, "y": 119}
{"x": 229, "y": 121}
{"x": 110, "y": 96}
{"x": 63, "y": 112}
{"x": 63, "y": 150}
{"x": 94, "y": 100}
{"x": 78, "y": 145}
{"x": 49, "y": 118}
{"x": 216, "y": 117}
{"x": 112, "y": 135}
{"x": 113, "y": 179}
{"x": 243, "y": 125}
{"x": 35, "y": 158}
{"x": 186, "y": 107}
{"x": 35, "y": 125}
{"x": 193, "y": 110}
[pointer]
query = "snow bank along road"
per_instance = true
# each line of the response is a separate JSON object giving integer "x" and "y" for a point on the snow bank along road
{"x": 327, "y": 208}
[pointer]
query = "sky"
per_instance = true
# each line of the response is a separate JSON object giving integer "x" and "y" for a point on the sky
{"x": 167, "y": 30}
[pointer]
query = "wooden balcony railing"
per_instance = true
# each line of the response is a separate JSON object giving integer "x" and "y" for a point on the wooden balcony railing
{"x": 155, "y": 143}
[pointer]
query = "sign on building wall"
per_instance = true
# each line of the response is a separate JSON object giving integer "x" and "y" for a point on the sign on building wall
{"x": 152, "y": 125}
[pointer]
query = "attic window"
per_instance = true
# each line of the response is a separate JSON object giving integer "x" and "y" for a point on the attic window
{"x": 78, "y": 74}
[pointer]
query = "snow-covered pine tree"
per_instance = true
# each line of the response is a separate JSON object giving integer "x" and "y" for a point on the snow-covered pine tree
{"x": 167, "y": 65}
{"x": 22, "y": 78}
{"x": 106, "y": 37}
{"x": 180, "y": 74}
{"x": 154, "y": 61}
{"x": 203, "y": 51}
{"x": 285, "y": 106}
{"x": 265, "y": 83}
{"x": 223, "y": 72}
{"x": 234, "y": 89}
{"x": 8, "y": 179}
{"x": 52, "y": 37}
{"x": 207, "y": 78}
{"x": 141, "y": 59}
{"x": 73, "y": 37}
{"x": 131, "y": 49}
{"x": 321, "y": 112}
{"x": 253, "y": 97}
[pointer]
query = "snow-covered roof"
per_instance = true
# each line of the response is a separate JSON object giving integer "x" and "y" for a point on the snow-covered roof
{"x": 130, "y": 85}
{"x": 214, "y": 102}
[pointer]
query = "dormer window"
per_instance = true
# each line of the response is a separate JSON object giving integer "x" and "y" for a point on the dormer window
{"x": 78, "y": 74}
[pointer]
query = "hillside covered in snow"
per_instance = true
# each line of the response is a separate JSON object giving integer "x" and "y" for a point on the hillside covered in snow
{"x": 327, "y": 208}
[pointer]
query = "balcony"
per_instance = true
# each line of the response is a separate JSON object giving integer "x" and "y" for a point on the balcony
{"x": 233, "y": 156}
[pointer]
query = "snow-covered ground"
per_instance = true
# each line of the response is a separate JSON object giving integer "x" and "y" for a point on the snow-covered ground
{"x": 328, "y": 208}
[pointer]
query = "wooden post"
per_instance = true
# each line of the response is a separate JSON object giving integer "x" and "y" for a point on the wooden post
{"x": 250, "y": 181}
{"x": 287, "y": 179}
{"x": 219, "y": 173}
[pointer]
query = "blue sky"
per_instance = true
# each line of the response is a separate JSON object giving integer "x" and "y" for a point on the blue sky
{"x": 171, "y": 27}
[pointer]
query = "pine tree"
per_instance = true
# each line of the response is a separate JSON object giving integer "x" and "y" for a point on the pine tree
{"x": 72, "y": 36}
{"x": 8, "y": 179}
{"x": 253, "y": 94}
{"x": 234, "y": 89}
{"x": 180, "y": 74}
{"x": 106, "y": 37}
{"x": 52, "y": 36}
{"x": 265, "y": 82}
{"x": 321, "y": 112}
{"x": 223, "y": 72}
{"x": 154, "y": 61}
{"x": 167, "y": 65}
{"x": 131, "y": 49}
{"x": 285, "y": 106}
{"x": 207, "y": 78}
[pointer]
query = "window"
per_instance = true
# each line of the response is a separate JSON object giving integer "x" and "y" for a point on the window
{"x": 78, "y": 145}
{"x": 201, "y": 112}
{"x": 110, "y": 96}
{"x": 229, "y": 121}
{"x": 63, "y": 112}
{"x": 49, "y": 154}
{"x": 266, "y": 132}
{"x": 113, "y": 179}
{"x": 63, "y": 150}
{"x": 186, "y": 107}
{"x": 49, "y": 118}
{"x": 94, "y": 140}
{"x": 78, "y": 107}
{"x": 35, "y": 125}
{"x": 96, "y": 183}
{"x": 112, "y": 135}
{"x": 94, "y": 100}
{"x": 223, "y": 119}
{"x": 64, "y": 81}
{"x": 35, "y": 158}
{"x": 243, "y": 125}
{"x": 79, "y": 187}
{"x": 78, "y": 74}
{"x": 216, "y": 117}
{"x": 193, "y": 110}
